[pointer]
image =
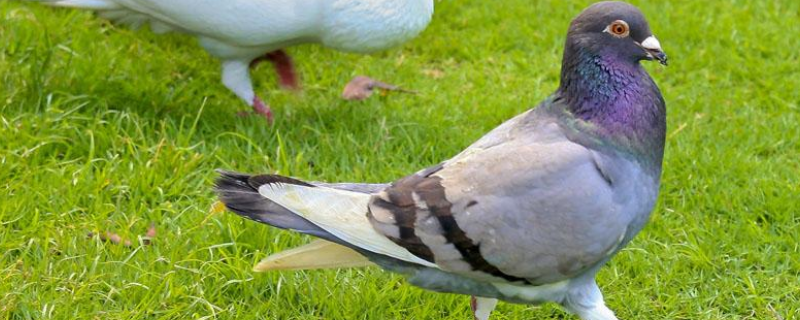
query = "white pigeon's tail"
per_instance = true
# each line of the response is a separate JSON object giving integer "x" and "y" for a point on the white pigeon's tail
{"x": 121, "y": 12}
{"x": 84, "y": 4}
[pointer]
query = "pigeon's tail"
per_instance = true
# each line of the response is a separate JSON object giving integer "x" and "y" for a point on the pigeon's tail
{"x": 84, "y": 4}
{"x": 239, "y": 192}
{"x": 319, "y": 254}
{"x": 330, "y": 213}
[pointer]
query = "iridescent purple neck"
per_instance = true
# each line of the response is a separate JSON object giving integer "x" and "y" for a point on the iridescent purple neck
{"x": 615, "y": 101}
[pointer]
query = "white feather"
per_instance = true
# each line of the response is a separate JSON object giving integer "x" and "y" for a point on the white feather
{"x": 319, "y": 254}
{"x": 341, "y": 213}
{"x": 86, "y": 4}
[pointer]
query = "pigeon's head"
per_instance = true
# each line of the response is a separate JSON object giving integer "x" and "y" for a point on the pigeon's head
{"x": 617, "y": 29}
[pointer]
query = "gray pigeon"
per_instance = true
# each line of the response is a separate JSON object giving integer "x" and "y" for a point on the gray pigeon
{"x": 527, "y": 214}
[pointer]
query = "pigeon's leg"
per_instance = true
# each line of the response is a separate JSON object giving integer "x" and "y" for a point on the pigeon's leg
{"x": 261, "y": 108}
{"x": 284, "y": 67}
{"x": 236, "y": 77}
{"x": 597, "y": 312}
{"x": 587, "y": 303}
{"x": 482, "y": 307}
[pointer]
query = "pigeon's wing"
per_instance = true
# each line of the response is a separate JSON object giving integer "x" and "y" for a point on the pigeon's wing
{"x": 368, "y": 188}
{"x": 524, "y": 204}
{"x": 235, "y": 22}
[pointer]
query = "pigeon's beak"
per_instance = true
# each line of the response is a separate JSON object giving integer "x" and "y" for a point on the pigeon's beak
{"x": 653, "y": 49}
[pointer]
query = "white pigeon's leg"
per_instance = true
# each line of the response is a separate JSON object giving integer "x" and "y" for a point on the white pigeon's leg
{"x": 284, "y": 67}
{"x": 587, "y": 303}
{"x": 482, "y": 307}
{"x": 236, "y": 77}
{"x": 236, "y": 71}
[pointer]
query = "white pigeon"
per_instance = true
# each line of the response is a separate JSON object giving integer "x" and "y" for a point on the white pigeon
{"x": 242, "y": 33}
{"x": 527, "y": 214}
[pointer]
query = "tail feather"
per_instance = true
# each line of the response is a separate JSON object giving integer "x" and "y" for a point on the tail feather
{"x": 239, "y": 193}
{"x": 125, "y": 13}
{"x": 341, "y": 213}
{"x": 336, "y": 215}
{"x": 319, "y": 254}
{"x": 84, "y": 4}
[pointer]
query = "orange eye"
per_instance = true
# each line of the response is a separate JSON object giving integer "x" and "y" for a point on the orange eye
{"x": 618, "y": 28}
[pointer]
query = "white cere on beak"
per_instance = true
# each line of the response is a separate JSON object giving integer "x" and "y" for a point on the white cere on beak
{"x": 651, "y": 43}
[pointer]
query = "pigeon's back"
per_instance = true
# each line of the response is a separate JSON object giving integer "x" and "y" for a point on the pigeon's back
{"x": 237, "y": 22}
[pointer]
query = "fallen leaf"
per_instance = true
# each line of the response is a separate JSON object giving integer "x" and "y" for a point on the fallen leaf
{"x": 362, "y": 87}
{"x": 114, "y": 238}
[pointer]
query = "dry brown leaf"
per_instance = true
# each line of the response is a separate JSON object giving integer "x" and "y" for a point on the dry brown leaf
{"x": 114, "y": 238}
{"x": 362, "y": 87}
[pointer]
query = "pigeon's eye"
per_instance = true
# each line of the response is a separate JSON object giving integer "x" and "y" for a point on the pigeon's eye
{"x": 618, "y": 28}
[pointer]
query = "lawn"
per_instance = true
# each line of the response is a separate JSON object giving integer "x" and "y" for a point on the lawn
{"x": 108, "y": 129}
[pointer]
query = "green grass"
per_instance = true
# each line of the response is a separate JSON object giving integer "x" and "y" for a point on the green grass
{"x": 104, "y": 128}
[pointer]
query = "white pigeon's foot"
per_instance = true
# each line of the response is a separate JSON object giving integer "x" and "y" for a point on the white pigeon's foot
{"x": 236, "y": 77}
{"x": 263, "y": 109}
{"x": 284, "y": 67}
{"x": 482, "y": 307}
{"x": 260, "y": 109}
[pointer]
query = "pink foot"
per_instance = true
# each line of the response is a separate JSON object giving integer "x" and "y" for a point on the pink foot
{"x": 473, "y": 304}
{"x": 261, "y": 108}
{"x": 282, "y": 62}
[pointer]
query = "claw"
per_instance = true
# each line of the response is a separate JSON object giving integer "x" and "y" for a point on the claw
{"x": 261, "y": 108}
